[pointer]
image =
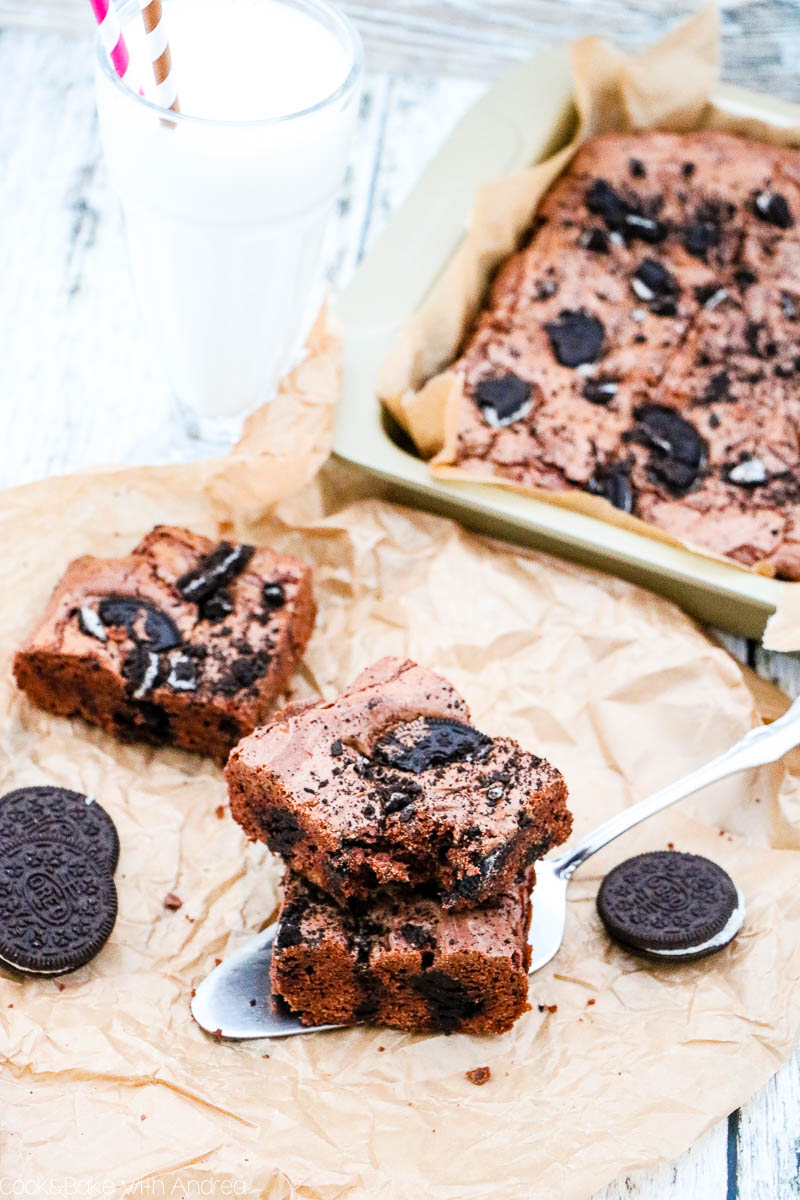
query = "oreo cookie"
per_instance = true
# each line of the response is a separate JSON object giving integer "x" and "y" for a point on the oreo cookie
{"x": 59, "y": 815}
{"x": 670, "y": 906}
{"x": 428, "y": 742}
{"x": 58, "y": 906}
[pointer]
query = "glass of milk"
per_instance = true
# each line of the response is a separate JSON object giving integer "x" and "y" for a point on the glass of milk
{"x": 226, "y": 202}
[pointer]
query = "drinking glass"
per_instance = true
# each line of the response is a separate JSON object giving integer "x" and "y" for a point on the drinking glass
{"x": 225, "y": 222}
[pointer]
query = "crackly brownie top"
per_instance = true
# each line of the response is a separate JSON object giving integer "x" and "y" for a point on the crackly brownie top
{"x": 180, "y": 613}
{"x": 644, "y": 344}
{"x": 395, "y": 761}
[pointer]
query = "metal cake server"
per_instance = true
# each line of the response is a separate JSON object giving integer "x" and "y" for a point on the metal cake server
{"x": 234, "y": 1000}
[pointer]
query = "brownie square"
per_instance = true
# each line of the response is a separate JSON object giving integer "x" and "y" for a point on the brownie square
{"x": 403, "y": 960}
{"x": 390, "y": 784}
{"x": 184, "y": 642}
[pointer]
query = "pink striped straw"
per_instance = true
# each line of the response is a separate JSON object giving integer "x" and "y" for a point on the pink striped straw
{"x": 112, "y": 37}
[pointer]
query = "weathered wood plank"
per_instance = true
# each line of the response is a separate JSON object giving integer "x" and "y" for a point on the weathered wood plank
{"x": 482, "y": 37}
{"x": 699, "y": 1174}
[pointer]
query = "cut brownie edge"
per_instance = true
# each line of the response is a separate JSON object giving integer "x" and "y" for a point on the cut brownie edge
{"x": 403, "y": 961}
{"x": 183, "y": 642}
{"x": 432, "y": 801}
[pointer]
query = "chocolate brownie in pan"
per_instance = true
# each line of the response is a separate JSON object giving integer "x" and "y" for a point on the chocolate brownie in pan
{"x": 185, "y": 641}
{"x": 389, "y": 783}
{"x": 644, "y": 344}
{"x": 403, "y": 960}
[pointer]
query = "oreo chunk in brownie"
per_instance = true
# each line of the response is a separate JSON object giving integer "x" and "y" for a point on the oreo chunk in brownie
{"x": 57, "y": 814}
{"x": 403, "y": 960}
{"x": 670, "y": 906}
{"x": 185, "y": 641}
{"x": 669, "y": 287}
{"x": 389, "y": 783}
{"x": 58, "y": 906}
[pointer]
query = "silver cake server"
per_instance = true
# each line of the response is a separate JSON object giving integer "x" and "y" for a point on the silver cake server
{"x": 234, "y": 1000}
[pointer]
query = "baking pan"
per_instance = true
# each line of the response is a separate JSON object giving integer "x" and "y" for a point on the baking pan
{"x": 523, "y": 119}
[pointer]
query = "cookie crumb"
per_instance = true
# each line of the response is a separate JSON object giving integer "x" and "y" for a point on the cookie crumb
{"x": 550, "y": 1008}
{"x": 479, "y": 1075}
{"x": 670, "y": 845}
{"x": 172, "y": 902}
{"x": 220, "y": 811}
{"x": 590, "y": 1002}
{"x": 218, "y": 1034}
{"x": 381, "y": 1049}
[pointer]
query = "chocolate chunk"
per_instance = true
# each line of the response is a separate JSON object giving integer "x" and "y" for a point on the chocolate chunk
{"x": 745, "y": 278}
{"x": 243, "y": 673}
{"x": 576, "y": 338}
{"x": 143, "y": 621}
{"x": 183, "y": 675}
{"x": 595, "y": 240}
{"x": 637, "y": 168}
{"x": 417, "y": 935}
{"x": 622, "y": 216}
{"x": 147, "y": 721}
{"x": 717, "y": 389}
{"x": 398, "y": 796}
{"x": 651, "y": 278}
{"x": 290, "y": 931}
{"x": 449, "y": 1000}
{"x": 273, "y": 595}
{"x": 430, "y": 742}
{"x": 700, "y": 237}
{"x": 614, "y": 484}
{"x": 58, "y": 906}
{"x": 218, "y": 568}
{"x": 282, "y": 830}
{"x": 667, "y": 900}
{"x": 648, "y": 229}
{"x": 679, "y": 451}
{"x": 503, "y": 398}
{"x": 687, "y": 170}
{"x": 141, "y": 671}
{"x": 217, "y": 607}
{"x": 773, "y": 208}
{"x": 59, "y": 815}
{"x": 337, "y": 749}
{"x": 600, "y": 390}
{"x": 607, "y": 203}
{"x": 749, "y": 473}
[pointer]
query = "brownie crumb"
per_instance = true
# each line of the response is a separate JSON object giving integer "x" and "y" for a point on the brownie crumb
{"x": 172, "y": 902}
{"x": 479, "y": 1075}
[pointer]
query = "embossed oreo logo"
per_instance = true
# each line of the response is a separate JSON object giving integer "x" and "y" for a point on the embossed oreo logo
{"x": 46, "y": 899}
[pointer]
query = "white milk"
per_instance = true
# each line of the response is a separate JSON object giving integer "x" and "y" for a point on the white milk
{"x": 226, "y": 206}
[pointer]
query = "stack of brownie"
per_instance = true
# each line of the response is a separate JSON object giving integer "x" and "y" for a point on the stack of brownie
{"x": 409, "y": 839}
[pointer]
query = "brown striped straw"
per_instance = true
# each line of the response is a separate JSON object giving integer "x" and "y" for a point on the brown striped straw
{"x": 158, "y": 52}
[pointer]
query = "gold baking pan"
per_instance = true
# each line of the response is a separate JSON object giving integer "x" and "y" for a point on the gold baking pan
{"x": 522, "y": 120}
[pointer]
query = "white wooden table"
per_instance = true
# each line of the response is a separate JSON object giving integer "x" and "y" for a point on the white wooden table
{"x": 68, "y": 317}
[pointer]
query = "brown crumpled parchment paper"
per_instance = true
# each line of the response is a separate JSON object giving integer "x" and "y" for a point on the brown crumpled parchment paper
{"x": 669, "y": 86}
{"x": 108, "y": 1088}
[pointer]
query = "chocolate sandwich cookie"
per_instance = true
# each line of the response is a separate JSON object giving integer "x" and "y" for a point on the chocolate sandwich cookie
{"x": 57, "y": 814}
{"x": 58, "y": 906}
{"x": 670, "y": 906}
